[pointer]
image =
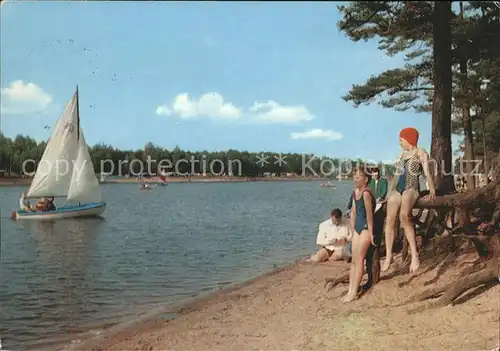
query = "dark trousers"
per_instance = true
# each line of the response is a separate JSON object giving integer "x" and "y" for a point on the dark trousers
{"x": 372, "y": 255}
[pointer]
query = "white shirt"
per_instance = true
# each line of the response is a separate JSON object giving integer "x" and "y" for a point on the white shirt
{"x": 328, "y": 232}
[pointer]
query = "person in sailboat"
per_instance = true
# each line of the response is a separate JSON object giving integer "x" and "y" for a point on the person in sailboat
{"x": 49, "y": 204}
{"x": 24, "y": 204}
{"x": 43, "y": 205}
{"x": 40, "y": 206}
{"x": 78, "y": 184}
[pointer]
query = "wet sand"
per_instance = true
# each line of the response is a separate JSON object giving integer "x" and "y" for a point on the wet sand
{"x": 290, "y": 309}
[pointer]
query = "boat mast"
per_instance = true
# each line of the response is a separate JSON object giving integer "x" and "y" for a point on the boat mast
{"x": 77, "y": 116}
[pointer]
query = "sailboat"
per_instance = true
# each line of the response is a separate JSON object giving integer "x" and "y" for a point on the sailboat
{"x": 77, "y": 182}
{"x": 328, "y": 184}
{"x": 162, "y": 181}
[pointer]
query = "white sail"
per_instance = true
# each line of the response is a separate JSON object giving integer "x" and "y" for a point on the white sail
{"x": 55, "y": 169}
{"x": 84, "y": 187}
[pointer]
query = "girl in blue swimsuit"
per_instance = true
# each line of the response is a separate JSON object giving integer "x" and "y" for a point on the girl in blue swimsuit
{"x": 362, "y": 223}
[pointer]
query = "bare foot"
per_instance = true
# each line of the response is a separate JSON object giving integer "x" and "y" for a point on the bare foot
{"x": 349, "y": 298}
{"x": 387, "y": 264}
{"x": 415, "y": 263}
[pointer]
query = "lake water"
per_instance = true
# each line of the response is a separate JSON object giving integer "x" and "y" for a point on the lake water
{"x": 151, "y": 249}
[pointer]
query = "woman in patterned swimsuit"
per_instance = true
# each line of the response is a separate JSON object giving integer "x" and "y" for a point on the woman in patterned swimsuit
{"x": 404, "y": 192}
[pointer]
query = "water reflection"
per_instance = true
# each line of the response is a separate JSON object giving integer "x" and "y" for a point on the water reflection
{"x": 64, "y": 243}
{"x": 63, "y": 251}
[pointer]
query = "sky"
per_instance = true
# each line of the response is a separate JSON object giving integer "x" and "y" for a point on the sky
{"x": 252, "y": 76}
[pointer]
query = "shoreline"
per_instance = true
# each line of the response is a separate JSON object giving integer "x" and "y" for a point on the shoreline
{"x": 17, "y": 181}
{"x": 289, "y": 308}
{"x": 155, "y": 319}
{"x": 200, "y": 179}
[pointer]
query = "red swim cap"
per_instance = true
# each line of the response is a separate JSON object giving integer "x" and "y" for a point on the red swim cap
{"x": 410, "y": 135}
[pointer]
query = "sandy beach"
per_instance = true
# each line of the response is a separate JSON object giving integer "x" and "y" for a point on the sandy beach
{"x": 290, "y": 309}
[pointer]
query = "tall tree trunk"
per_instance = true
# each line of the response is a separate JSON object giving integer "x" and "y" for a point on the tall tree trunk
{"x": 466, "y": 117}
{"x": 485, "y": 153}
{"x": 441, "y": 107}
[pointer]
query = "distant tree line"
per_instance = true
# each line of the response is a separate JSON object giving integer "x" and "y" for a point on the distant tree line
{"x": 107, "y": 159}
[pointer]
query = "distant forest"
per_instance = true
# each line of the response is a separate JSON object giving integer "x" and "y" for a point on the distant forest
{"x": 13, "y": 152}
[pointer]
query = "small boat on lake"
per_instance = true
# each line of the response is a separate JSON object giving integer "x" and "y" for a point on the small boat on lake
{"x": 162, "y": 182}
{"x": 78, "y": 183}
{"x": 328, "y": 184}
{"x": 146, "y": 186}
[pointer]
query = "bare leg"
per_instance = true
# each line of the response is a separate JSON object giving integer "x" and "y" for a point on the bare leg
{"x": 321, "y": 256}
{"x": 352, "y": 272}
{"x": 336, "y": 255}
{"x": 352, "y": 276}
{"x": 409, "y": 198}
{"x": 393, "y": 206}
{"x": 358, "y": 259}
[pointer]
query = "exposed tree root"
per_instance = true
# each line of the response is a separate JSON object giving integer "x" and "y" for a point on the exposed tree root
{"x": 414, "y": 276}
{"x": 428, "y": 294}
{"x": 405, "y": 265}
{"x": 372, "y": 269}
{"x": 442, "y": 266}
{"x": 436, "y": 261}
{"x": 448, "y": 293}
{"x": 405, "y": 251}
{"x": 475, "y": 265}
{"x": 469, "y": 199}
{"x": 485, "y": 200}
{"x": 332, "y": 282}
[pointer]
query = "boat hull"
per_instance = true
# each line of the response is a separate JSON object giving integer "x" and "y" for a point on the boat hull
{"x": 75, "y": 211}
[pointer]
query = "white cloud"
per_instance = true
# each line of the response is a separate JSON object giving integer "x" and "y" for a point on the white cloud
{"x": 23, "y": 98}
{"x": 210, "y": 105}
{"x": 318, "y": 134}
{"x": 163, "y": 110}
{"x": 272, "y": 112}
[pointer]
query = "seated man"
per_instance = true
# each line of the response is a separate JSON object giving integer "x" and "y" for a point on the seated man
{"x": 333, "y": 235}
